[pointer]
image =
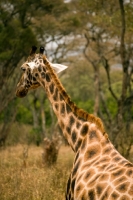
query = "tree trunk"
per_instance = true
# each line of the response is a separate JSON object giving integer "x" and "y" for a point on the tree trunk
{"x": 6, "y": 128}
{"x": 97, "y": 90}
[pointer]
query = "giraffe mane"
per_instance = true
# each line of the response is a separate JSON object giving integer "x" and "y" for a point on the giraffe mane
{"x": 78, "y": 111}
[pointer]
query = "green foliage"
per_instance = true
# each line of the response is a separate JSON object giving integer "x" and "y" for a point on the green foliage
{"x": 35, "y": 136}
{"x": 78, "y": 81}
{"x": 15, "y": 39}
{"x": 86, "y": 105}
{"x": 110, "y": 101}
{"x": 24, "y": 115}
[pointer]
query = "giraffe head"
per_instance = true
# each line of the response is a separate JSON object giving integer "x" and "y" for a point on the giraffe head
{"x": 32, "y": 68}
{"x": 28, "y": 79}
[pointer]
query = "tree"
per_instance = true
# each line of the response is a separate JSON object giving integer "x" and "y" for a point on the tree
{"x": 108, "y": 40}
{"x": 20, "y": 27}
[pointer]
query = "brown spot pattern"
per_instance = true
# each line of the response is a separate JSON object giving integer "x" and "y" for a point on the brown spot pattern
{"x": 91, "y": 152}
{"x": 84, "y": 129}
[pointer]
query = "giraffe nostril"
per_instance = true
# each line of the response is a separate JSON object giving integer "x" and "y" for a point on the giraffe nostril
{"x": 22, "y": 92}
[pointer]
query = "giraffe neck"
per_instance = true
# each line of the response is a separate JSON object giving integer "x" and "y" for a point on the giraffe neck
{"x": 74, "y": 122}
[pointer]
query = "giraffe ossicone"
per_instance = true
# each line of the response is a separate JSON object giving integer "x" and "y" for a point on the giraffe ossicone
{"x": 99, "y": 171}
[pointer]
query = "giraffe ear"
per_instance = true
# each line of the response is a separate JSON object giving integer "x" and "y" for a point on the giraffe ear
{"x": 58, "y": 67}
{"x": 33, "y": 50}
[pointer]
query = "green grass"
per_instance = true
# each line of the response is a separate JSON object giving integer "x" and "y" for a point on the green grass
{"x": 30, "y": 180}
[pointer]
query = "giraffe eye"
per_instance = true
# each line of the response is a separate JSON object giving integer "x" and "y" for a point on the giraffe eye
{"x": 23, "y": 69}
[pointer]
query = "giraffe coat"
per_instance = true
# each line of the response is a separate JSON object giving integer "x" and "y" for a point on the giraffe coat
{"x": 99, "y": 172}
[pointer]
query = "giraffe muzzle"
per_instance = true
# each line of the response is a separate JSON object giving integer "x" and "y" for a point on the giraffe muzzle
{"x": 21, "y": 92}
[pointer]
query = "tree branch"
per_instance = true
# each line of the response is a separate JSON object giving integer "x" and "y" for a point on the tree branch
{"x": 106, "y": 66}
{"x": 125, "y": 61}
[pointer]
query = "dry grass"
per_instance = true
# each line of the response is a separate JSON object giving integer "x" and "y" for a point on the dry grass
{"x": 32, "y": 181}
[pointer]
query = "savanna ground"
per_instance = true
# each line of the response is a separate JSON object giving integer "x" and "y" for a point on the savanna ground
{"x": 27, "y": 179}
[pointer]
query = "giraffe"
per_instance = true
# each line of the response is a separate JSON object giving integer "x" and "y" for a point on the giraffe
{"x": 99, "y": 172}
